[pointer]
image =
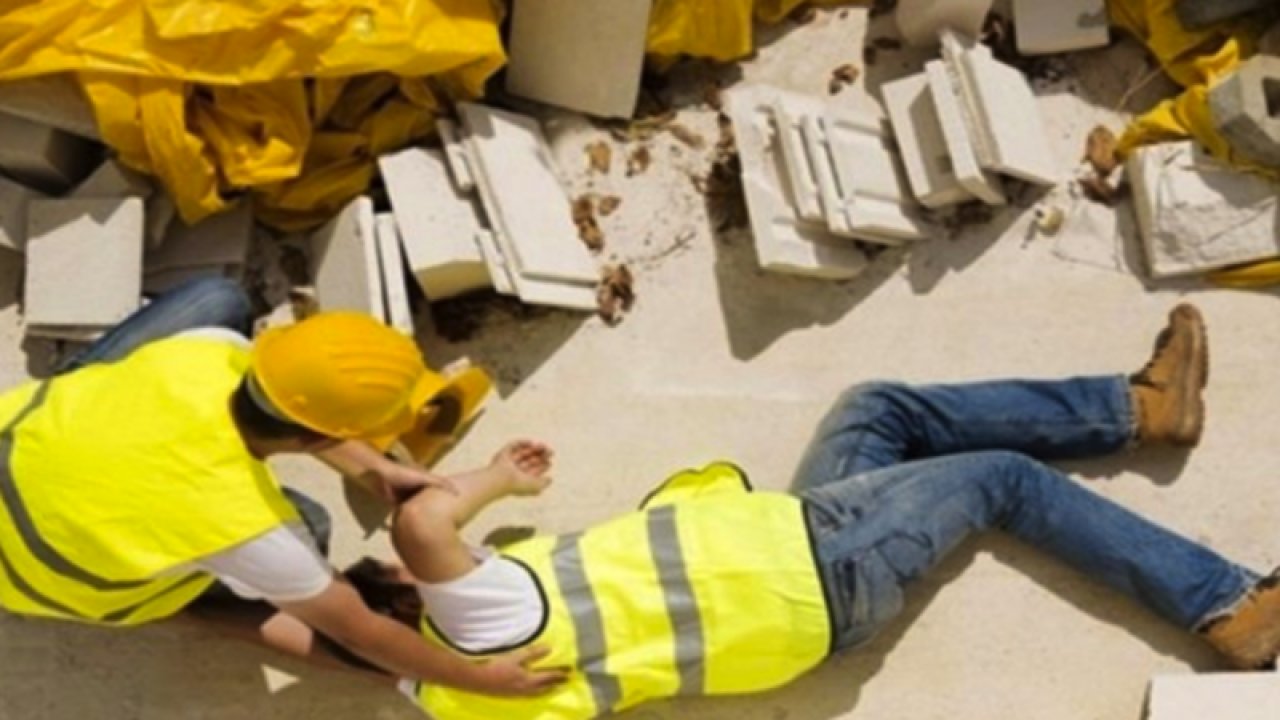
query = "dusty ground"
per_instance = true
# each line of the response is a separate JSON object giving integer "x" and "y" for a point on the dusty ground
{"x": 721, "y": 360}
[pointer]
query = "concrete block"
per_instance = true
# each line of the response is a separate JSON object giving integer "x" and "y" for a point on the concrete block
{"x": 456, "y": 153}
{"x": 499, "y": 271}
{"x": 161, "y": 213}
{"x": 344, "y": 262}
{"x": 529, "y": 210}
{"x": 960, "y": 136}
{"x": 784, "y": 242}
{"x": 220, "y": 240}
{"x": 438, "y": 223}
{"x": 54, "y": 100}
{"x": 864, "y": 186}
{"x": 14, "y": 199}
{"x": 1224, "y": 696}
{"x": 1200, "y": 14}
{"x": 84, "y": 261}
{"x": 584, "y": 55}
{"x": 918, "y": 130}
{"x": 44, "y": 157}
{"x": 1246, "y": 109}
{"x": 112, "y": 179}
{"x": 920, "y": 21}
{"x": 789, "y": 111}
{"x": 1196, "y": 214}
{"x": 1061, "y": 26}
{"x": 391, "y": 262}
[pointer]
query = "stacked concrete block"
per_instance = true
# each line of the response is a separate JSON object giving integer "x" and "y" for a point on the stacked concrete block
{"x": 53, "y": 100}
{"x": 1200, "y": 14}
{"x": 1044, "y": 28}
{"x": 112, "y": 179}
{"x": 83, "y": 265}
{"x": 959, "y": 128}
{"x": 1246, "y": 109}
{"x": 584, "y": 55}
{"x": 1196, "y": 214}
{"x": 344, "y": 262}
{"x": 14, "y": 200}
{"x": 395, "y": 292}
{"x": 44, "y": 157}
{"x": 216, "y": 246}
{"x": 918, "y": 130}
{"x": 1229, "y": 696}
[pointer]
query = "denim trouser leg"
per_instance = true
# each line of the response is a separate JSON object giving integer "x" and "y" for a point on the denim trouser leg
{"x": 877, "y": 425}
{"x": 203, "y": 302}
{"x": 877, "y": 531}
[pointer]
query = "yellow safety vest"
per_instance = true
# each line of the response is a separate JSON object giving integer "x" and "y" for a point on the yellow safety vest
{"x": 116, "y": 475}
{"x": 708, "y": 590}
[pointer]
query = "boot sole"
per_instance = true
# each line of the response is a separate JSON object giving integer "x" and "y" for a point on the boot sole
{"x": 1191, "y": 414}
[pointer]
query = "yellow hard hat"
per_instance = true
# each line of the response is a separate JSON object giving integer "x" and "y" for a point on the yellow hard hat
{"x": 344, "y": 375}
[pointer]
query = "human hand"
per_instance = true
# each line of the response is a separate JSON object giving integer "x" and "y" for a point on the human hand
{"x": 396, "y": 482}
{"x": 511, "y": 675}
{"x": 524, "y": 464}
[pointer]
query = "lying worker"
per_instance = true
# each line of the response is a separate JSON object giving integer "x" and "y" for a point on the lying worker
{"x": 713, "y": 589}
{"x": 136, "y": 477}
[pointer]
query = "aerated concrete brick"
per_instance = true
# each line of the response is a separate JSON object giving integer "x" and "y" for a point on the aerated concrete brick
{"x": 344, "y": 262}
{"x": 959, "y": 129}
{"x": 395, "y": 293}
{"x": 216, "y": 241}
{"x": 43, "y": 157}
{"x": 1246, "y": 109}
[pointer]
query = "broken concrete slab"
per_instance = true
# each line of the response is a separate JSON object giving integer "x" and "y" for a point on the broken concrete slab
{"x": 14, "y": 200}
{"x": 1200, "y": 14}
{"x": 219, "y": 240}
{"x": 395, "y": 293}
{"x": 112, "y": 179}
{"x": 438, "y": 223}
{"x": 784, "y": 242}
{"x": 344, "y": 262}
{"x": 918, "y": 130}
{"x": 43, "y": 157}
{"x": 957, "y": 129}
{"x": 1198, "y": 214}
{"x": 84, "y": 261}
{"x": 1045, "y": 28}
{"x": 1237, "y": 696}
{"x": 584, "y": 55}
{"x": 53, "y": 100}
{"x": 920, "y": 21}
{"x": 1246, "y": 109}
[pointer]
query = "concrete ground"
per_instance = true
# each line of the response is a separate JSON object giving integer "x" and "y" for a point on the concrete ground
{"x": 722, "y": 360}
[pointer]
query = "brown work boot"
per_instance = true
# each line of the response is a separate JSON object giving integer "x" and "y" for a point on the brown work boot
{"x": 1250, "y": 636}
{"x": 1167, "y": 393}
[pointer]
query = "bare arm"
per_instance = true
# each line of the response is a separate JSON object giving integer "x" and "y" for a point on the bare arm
{"x": 380, "y": 475}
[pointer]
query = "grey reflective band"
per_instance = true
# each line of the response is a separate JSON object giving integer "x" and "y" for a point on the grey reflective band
{"x": 682, "y": 604}
{"x": 588, "y": 625}
{"x": 123, "y": 613}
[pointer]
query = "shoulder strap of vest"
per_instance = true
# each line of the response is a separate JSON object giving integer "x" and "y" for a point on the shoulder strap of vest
{"x": 719, "y": 477}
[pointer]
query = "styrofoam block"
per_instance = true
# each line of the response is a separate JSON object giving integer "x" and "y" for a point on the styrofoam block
{"x": 789, "y": 111}
{"x": 112, "y": 179}
{"x": 919, "y": 21}
{"x": 947, "y": 98}
{"x": 344, "y": 262}
{"x": 84, "y": 261}
{"x": 14, "y": 199}
{"x": 1196, "y": 214}
{"x": 44, "y": 157}
{"x": 54, "y": 100}
{"x": 523, "y": 198}
{"x": 221, "y": 239}
{"x": 584, "y": 55}
{"x": 438, "y": 224}
{"x": 391, "y": 263}
{"x": 784, "y": 242}
{"x": 918, "y": 130}
{"x": 1060, "y": 26}
{"x": 864, "y": 186}
{"x": 1216, "y": 696}
{"x": 456, "y": 153}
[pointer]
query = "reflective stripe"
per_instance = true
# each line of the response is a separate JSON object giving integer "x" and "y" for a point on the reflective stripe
{"x": 35, "y": 596}
{"x": 26, "y": 528}
{"x": 588, "y": 625}
{"x": 124, "y": 613}
{"x": 682, "y": 604}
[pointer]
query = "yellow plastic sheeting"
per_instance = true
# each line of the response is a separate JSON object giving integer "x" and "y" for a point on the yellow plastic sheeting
{"x": 715, "y": 29}
{"x": 291, "y": 100}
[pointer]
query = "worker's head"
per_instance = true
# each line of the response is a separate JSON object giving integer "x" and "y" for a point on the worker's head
{"x": 333, "y": 376}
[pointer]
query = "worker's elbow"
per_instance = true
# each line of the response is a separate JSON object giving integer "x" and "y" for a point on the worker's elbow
{"x": 425, "y": 521}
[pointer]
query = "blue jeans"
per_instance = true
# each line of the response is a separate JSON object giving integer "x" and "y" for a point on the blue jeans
{"x": 898, "y": 476}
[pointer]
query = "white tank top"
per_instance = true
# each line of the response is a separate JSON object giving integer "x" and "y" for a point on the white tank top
{"x": 496, "y": 607}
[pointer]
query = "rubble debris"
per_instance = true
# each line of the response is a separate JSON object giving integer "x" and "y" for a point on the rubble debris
{"x": 344, "y": 262}
{"x": 1049, "y": 220}
{"x": 1243, "y": 107}
{"x": 920, "y": 21}
{"x": 918, "y": 129}
{"x": 14, "y": 201}
{"x": 616, "y": 294}
{"x": 584, "y": 216}
{"x": 608, "y": 204}
{"x": 686, "y": 136}
{"x": 459, "y": 319}
{"x": 600, "y": 157}
{"x": 1237, "y": 695}
{"x": 218, "y": 245}
{"x": 1199, "y": 14}
{"x": 963, "y": 138}
{"x": 43, "y": 157}
{"x": 1045, "y": 28}
{"x": 1196, "y": 214}
{"x": 638, "y": 161}
{"x": 1100, "y": 190}
{"x": 842, "y": 77}
{"x": 1100, "y": 151}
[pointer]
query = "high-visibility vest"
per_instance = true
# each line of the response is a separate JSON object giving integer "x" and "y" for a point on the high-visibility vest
{"x": 115, "y": 476}
{"x": 710, "y": 589}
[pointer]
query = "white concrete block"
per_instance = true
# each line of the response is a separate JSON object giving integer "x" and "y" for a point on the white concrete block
{"x": 1196, "y": 214}
{"x": 1215, "y": 696}
{"x": 44, "y": 157}
{"x": 918, "y": 130}
{"x": 920, "y": 21}
{"x": 529, "y": 210}
{"x": 344, "y": 262}
{"x": 54, "y": 100}
{"x": 784, "y": 242}
{"x": 789, "y": 111}
{"x": 161, "y": 214}
{"x": 391, "y": 262}
{"x": 84, "y": 261}
{"x": 584, "y": 55}
{"x": 499, "y": 271}
{"x": 1060, "y": 26}
{"x": 112, "y": 179}
{"x": 222, "y": 239}
{"x": 14, "y": 199}
{"x": 456, "y": 153}
{"x": 961, "y": 145}
{"x": 438, "y": 223}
